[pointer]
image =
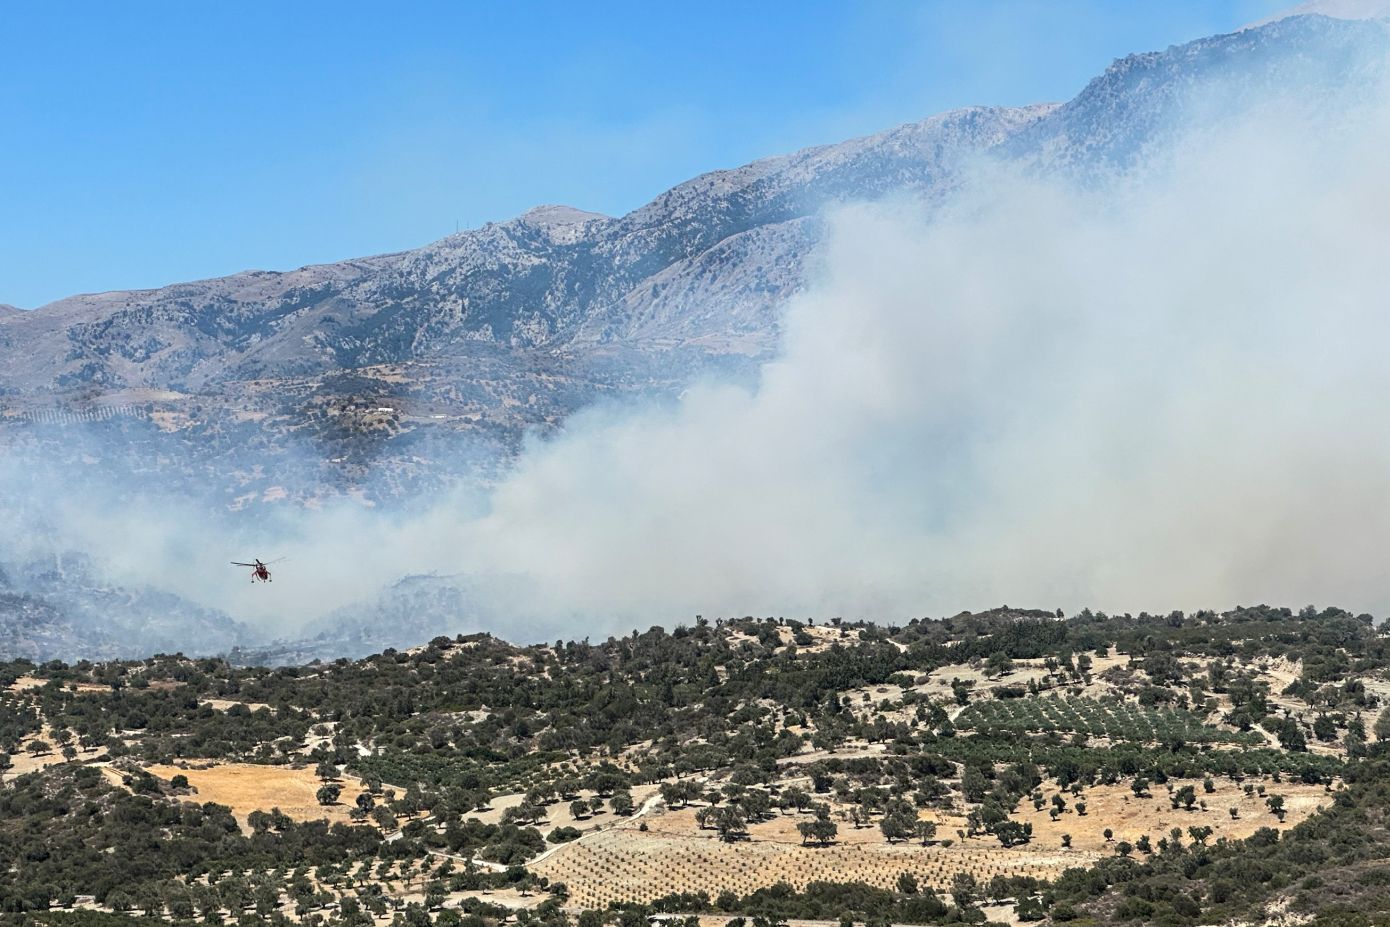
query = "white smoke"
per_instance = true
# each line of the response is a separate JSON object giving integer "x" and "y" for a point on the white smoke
{"x": 1163, "y": 391}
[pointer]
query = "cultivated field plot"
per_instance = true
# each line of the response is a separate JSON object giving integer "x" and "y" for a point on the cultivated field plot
{"x": 247, "y": 787}
{"x": 1100, "y": 718}
{"x": 624, "y": 864}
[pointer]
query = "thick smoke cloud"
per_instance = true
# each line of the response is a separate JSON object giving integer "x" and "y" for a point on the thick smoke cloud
{"x": 1162, "y": 393}
{"x": 1163, "y": 390}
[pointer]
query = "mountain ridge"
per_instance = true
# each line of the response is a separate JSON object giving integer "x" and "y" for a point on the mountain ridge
{"x": 62, "y": 608}
{"x": 385, "y": 379}
{"x": 483, "y": 284}
{"x": 534, "y": 281}
{"x": 705, "y": 265}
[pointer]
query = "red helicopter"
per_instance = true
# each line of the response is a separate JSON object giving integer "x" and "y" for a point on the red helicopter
{"x": 258, "y": 569}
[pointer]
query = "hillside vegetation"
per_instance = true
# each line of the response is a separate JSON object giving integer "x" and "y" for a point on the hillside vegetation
{"x": 1009, "y": 766}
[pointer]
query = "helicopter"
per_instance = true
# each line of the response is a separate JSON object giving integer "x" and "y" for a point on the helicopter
{"x": 258, "y": 569}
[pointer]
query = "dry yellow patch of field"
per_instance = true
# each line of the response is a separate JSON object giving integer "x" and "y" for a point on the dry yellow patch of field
{"x": 506, "y": 897}
{"x": 26, "y": 683}
{"x": 25, "y": 762}
{"x": 849, "y": 750}
{"x": 822, "y": 638}
{"x": 247, "y": 787}
{"x": 1130, "y": 817}
{"x": 938, "y": 685}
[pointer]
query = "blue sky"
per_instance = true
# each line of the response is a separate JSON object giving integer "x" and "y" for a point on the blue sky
{"x": 153, "y": 142}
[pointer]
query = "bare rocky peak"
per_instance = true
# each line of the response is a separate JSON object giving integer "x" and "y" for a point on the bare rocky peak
{"x": 557, "y": 214}
{"x": 564, "y": 224}
{"x": 1333, "y": 9}
{"x": 1309, "y": 64}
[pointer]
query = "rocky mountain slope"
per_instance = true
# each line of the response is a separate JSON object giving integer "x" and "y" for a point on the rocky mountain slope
{"x": 63, "y": 608}
{"x": 548, "y": 311}
{"x": 706, "y": 262}
{"x": 387, "y": 376}
{"x": 1336, "y": 9}
{"x": 704, "y": 265}
{"x": 1312, "y": 66}
{"x": 412, "y": 610}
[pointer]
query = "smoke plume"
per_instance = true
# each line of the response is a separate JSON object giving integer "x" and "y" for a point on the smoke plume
{"x": 1158, "y": 393}
{"x": 1159, "y": 390}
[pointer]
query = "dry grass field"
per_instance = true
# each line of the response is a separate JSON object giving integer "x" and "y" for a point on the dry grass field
{"x": 983, "y": 685}
{"x": 623, "y": 863}
{"x": 246, "y": 787}
{"x": 27, "y": 683}
{"x": 26, "y": 762}
{"x": 1130, "y": 817}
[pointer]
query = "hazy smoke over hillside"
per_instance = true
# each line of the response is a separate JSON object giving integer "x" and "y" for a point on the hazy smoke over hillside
{"x": 1161, "y": 393}
{"x": 1163, "y": 390}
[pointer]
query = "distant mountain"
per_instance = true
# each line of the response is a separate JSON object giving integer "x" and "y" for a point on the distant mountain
{"x": 703, "y": 268}
{"x": 34, "y": 629}
{"x": 706, "y": 263}
{"x": 386, "y": 376}
{"x": 1312, "y": 63}
{"x": 517, "y": 324}
{"x": 401, "y": 371}
{"x": 410, "y": 612}
{"x": 1335, "y": 9}
{"x": 61, "y": 608}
